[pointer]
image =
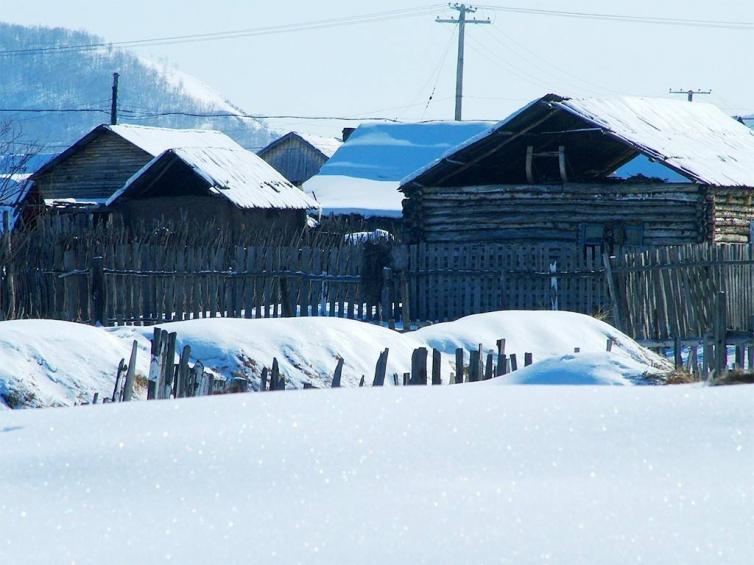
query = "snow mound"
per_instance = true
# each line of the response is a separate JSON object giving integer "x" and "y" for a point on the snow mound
{"x": 543, "y": 333}
{"x": 307, "y": 349}
{"x": 49, "y": 363}
{"x": 578, "y": 369}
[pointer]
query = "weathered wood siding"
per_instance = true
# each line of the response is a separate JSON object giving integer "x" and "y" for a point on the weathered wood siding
{"x": 206, "y": 209}
{"x": 733, "y": 214}
{"x": 295, "y": 160}
{"x": 663, "y": 214}
{"x": 95, "y": 171}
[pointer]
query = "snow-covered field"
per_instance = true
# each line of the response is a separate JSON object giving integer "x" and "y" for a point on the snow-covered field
{"x": 463, "y": 474}
{"x": 47, "y": 363}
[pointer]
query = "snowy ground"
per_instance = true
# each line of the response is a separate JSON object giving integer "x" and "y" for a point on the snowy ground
{"x": 47, "y": 363}
{"x": 468, "y": 474}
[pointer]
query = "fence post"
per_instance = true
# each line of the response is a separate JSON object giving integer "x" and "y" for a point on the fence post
{"x": 285, "y": 298}
{"x": 386, "y": 308}
{"x": 611, "y": 287}
{"x": 338, "y": 374}
{"x": 183, "y": 373}
{"x": 419, "y": 366}
{"x": 474, "y": 363}
{"x": 155, "y": 366}
{"x": 436, "y": 367}
{"x": 488, "y": 367}
{"x": 380, "y": 369}
{"x": 459, "y": 365}
{"x": 98, "y": 291}
{"x": 128, "y": 388}
{"x": 721, "y": 327}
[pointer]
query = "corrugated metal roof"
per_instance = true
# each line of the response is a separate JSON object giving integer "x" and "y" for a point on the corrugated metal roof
{"x": 236, "y": 174}
{"x": 697, "y": 140}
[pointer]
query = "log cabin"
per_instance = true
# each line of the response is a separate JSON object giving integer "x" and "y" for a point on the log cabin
{"x": 299, "y": 156}
{"x": 100, "y": 162}
{"x": 555, "y": 173}
{"x": 227, "y": 185}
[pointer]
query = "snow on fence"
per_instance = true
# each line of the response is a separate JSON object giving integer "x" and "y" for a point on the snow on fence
{"x": 168, "y": 379}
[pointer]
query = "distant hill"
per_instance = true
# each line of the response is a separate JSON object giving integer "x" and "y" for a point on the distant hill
{"x": 83, "y": 80}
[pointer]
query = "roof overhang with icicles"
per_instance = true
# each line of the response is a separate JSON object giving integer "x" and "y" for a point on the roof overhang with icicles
{"x": 558, "y": 139}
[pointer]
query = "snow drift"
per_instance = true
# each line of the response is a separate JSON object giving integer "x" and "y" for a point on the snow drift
{"x": 57, "y": 363}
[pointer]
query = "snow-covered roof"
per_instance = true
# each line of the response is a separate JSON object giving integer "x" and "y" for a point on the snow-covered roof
{"x": 326, "y": 145}
{"x": 233, "y": 173}
{"x": 364, "y": 174}
{"x": 157, "y": 140}
{"x": 151, "y": 140}
{"x": 696, "y": 140}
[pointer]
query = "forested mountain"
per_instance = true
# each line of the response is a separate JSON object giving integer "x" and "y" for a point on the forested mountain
{"x": 82, "y": 79}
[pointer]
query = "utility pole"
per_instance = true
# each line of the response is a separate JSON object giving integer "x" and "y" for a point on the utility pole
{"x": 114, "y": 101}
{"x": 461, "y": 22}
{"x": 690, "y": 93}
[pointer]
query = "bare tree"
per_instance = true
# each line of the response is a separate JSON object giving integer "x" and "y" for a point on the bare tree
{"x": 15, "y": 158}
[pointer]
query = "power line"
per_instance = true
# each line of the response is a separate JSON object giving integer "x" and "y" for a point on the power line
{"x": 250, "y": 32}
{"x": 145, "y": 114}
{"x": 656, "y": 20}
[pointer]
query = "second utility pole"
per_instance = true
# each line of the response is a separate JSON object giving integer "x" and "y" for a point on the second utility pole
{"x": 461, "y": 21}
{"x": 114, "y": 101}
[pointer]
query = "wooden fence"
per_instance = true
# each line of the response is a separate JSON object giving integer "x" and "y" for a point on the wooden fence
{"x": 674, "y": 292}
{"x": 445, "y": 281}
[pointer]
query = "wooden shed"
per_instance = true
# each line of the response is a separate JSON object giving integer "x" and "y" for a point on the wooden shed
{"x": 551, "y": 173}
{"x": 299, "y": 156}
{"x": 228, "y": 185}
{"x": 99, "y": 163}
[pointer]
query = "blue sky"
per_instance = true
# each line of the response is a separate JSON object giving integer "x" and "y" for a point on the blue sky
{"x": 389, "y": 68}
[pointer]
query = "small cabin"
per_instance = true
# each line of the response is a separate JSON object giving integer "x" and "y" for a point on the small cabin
{"x": 299, "y": 156}
{"x": 225, "y": 185}
{"x": 591, "y": 172}
{"x": 98, "y": 164}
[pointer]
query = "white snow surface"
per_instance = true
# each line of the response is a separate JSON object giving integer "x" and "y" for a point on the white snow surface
{"x": 233, "y": 173}
{"x": 409, "y": 475}
{"x": 47, "y": 363}
{"x": 338, "y": 194}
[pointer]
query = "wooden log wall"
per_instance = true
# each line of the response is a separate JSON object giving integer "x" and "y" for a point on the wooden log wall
{"x": 671, "y": 214}
{"x": 733, "y": 215}
{"x": 95, "y": 171}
